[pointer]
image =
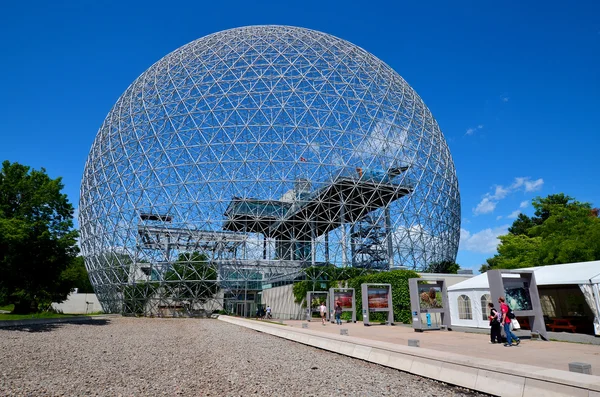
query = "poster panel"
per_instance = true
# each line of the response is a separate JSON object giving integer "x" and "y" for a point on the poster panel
{"x": 377, "y": 297}
{"x": 316, "y": 298}
{"x": 344, "y": 298}
{"x": 430, "y": 296}
{"x": 516, "y": 293}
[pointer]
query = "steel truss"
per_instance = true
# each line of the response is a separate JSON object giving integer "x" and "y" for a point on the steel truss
{"x": 250, "y": 155}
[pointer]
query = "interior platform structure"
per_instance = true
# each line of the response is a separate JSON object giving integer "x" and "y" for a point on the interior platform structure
{"x": 295, "y": 225}
{"x": 159, "y": 242}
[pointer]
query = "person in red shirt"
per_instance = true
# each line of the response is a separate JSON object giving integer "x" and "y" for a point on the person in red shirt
{"x": 506, "y": 322}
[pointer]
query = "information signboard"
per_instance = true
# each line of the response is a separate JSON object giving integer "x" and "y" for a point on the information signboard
{"x": 377, "y": 298}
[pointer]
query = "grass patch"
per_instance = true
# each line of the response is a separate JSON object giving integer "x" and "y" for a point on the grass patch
{"x": 8, "y": 308}
{"x": 34, "y": 316}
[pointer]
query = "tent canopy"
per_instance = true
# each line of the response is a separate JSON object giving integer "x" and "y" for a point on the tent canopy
{"x": 569, "y": 273}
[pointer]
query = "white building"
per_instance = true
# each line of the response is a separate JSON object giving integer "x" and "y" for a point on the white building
{"x": 568, "y": 290}
{"x": 79, "y": 304}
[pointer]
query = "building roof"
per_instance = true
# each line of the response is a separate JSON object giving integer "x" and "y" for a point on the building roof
{"x": 569, "y": 273}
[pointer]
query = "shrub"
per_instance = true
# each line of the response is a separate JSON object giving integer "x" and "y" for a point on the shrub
{"x": 400, "y": 292}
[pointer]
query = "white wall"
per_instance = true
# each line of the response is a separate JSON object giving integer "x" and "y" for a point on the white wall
{"x": 281, "y": 300}
{"x": 79, "y": 304}
{"x": 477, "y": 320}
{"x": 450, "y": 279}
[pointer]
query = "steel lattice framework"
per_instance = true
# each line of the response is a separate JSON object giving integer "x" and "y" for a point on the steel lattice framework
{"x": 249, "y": 155}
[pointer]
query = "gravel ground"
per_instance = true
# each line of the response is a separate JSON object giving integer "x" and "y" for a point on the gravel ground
{"x": 188, "y": 357}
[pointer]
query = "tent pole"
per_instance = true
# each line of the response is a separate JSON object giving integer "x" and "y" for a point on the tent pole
{"x": 597, "y": 300}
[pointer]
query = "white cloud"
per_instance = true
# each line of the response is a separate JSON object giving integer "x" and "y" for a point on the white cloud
{"x": 514, "y": 214}
{"x": 532, "y": 186}
{"x": 499, "y": 193}
{"x": 485, "y": 206}
{"x": 504, "y": 98}
{"x": 384, "y": 138}
{"x": 418, "y": 237}
{"x": 499, "y": 217}
{"x": 519, "y": 181}
{"x": 314, "y": 147}
{"x": 471, "y": 131}
{"x": 490, "y": 200}
{"x": 485, "y": 241}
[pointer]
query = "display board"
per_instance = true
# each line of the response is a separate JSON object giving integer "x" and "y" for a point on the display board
{"x": 429, "y": 304}
{"x": 521, "y": 294}
{"x": 516, "y": 293}
{"x": 313, "y": 303}
{"x": 377, "y": 298}
{"x": 346, "y": 298}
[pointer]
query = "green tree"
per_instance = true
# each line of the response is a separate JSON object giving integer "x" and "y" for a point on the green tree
{"x": 544, "y": 207}
{"x": 514, "y": 252}
{"x": 37, "y": 239}
{"x": 191, "y": 279}
{"x": 448, "y": 267}
{"x": 562, "y": 230}
{"x": 571, "y": 233}
{"x": 521, "y": 225}
{"x": 78, "y": 273}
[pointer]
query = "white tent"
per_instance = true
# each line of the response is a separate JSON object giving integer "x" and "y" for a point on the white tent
{"x": 468, "y": 299}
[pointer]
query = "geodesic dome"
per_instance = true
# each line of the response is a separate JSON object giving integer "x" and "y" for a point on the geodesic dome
{"x": 248, "y": 155}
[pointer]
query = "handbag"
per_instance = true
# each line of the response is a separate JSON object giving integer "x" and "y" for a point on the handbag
{"x": 515, "y": 324}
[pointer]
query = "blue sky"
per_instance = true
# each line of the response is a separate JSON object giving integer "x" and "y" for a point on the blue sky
{"x": 514, "y": 87}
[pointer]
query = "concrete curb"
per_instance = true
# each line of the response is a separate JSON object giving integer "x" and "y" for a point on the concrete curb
{"x": 488, "y": 376}
{"x": 44, "y": 321}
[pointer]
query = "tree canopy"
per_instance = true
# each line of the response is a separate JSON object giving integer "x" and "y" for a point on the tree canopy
{"x": 562, "y": 230}
{"x": 37, "y": 239}
{"x": 78, "y": 273}
{"x": 448, "y": 267}
{"x": 191, "y": 279}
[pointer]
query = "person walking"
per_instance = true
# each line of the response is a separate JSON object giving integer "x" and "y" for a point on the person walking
{"x": 506, "y": 322}
{"x": 269, "y": 312}
{"x": 323, "y": 311}
{"x": 338, "y": 313}
{"x": 495, "y": 318}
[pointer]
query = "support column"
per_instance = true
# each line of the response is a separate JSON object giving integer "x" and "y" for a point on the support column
{"x": 352, "y": 244}
{"x": 597, "y": 301}
{"x": 388, "y": 232}
{"x": 344, "y": 235}
{"x": 245, "y": 295}
{"x": 326, "y": 247}
{"x": 293, "y": 244}
{"x": 313, "y": 248}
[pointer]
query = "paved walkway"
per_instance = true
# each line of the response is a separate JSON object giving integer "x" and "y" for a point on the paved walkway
{"x": 533, "y": 369}
{"x": 553, "y": 355}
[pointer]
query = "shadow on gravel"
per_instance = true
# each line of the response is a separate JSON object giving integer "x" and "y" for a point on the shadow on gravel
{"x": 54, "y": 326}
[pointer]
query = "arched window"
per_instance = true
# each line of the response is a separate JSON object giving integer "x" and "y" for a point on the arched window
{"x": 464, "y": 308}
{"x": 485, "y": 299}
